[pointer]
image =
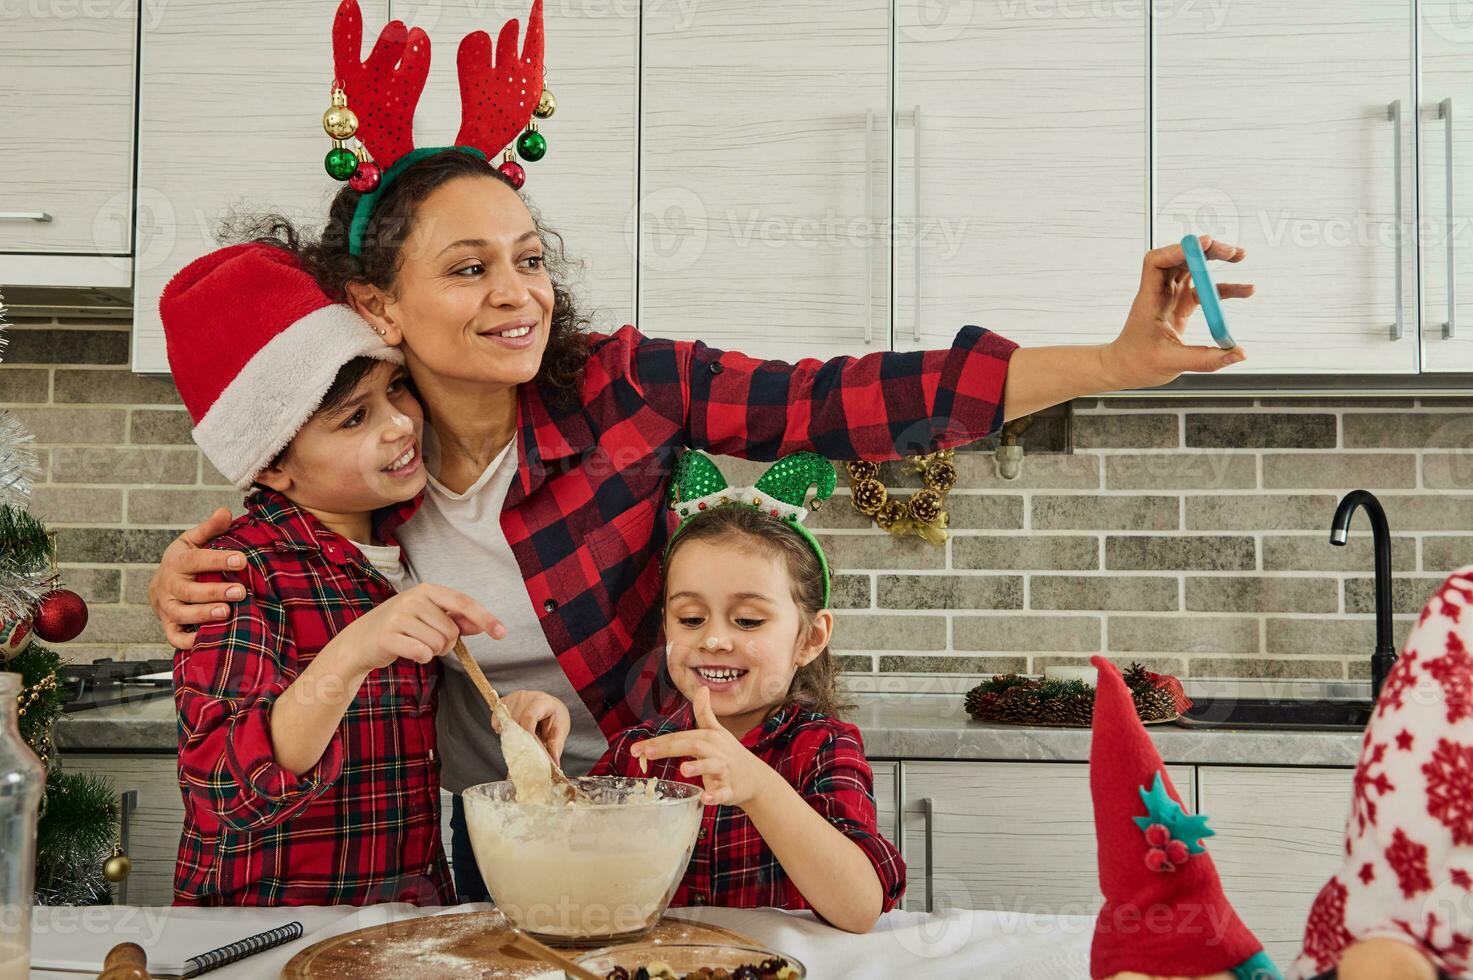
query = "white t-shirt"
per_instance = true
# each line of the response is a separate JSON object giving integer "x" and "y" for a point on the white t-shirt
{"x": 387, "y": 558}
{"x": 456, "y": 540}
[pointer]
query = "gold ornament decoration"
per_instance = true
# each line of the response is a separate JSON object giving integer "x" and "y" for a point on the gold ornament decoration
{"x": 891, "y": 514}
{"x": 869, "y": 496}
{"x": 925, "y": 506}
{"x": 118, "y": 866}
{"x": 940, "y": 476}
{"x": 546, "y": 105}
{"x": 923, "y": 514}
{"x": 339, "y": 121}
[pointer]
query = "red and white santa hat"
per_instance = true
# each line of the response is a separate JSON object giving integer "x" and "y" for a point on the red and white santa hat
{"x": 254, "y": 344}
{"x": 1165, "y": 912}
{"x": 1408, "y": 869}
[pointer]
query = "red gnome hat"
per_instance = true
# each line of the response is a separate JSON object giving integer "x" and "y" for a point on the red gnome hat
{"x": 1165, "y": 911}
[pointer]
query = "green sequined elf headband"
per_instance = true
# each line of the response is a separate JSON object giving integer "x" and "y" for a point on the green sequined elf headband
{"x": 501, "y": 95}
{"x": 782, "y": 492}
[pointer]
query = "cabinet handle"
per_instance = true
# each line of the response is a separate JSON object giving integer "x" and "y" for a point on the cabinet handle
{"x": 24, "y": 216}
{"x": 928, "y": 810}
{"x": 915, "y": 233}
{"x": 127, "y": 803}
{"x": 1450, "y": 328}
{"x": 869, "y": 249}
{"x": 1393, "y": 113}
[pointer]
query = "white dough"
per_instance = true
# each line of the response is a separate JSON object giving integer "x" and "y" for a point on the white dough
{"x": 528, "y": 765}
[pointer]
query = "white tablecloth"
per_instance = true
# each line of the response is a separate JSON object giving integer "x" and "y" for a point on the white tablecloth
{"x": 911, "y": 945}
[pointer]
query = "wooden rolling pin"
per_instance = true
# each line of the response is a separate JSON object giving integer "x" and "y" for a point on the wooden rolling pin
{"x": 561, "y": 784}
{"x": 125, "y": 961}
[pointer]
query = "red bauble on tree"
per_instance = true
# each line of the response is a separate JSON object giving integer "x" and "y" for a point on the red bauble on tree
{"x": 60, "y": 616}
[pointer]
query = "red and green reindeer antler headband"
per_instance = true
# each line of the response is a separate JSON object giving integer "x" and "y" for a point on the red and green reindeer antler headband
{"x": 499, "y": 97}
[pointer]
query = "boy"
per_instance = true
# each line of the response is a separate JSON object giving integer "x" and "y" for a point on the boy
{"x": 306, "y": 720}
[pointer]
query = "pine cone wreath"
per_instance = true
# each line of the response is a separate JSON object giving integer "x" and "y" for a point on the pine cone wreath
{"x": 925, "y": 506}
{"x": 1016, "y": 700}
{"x": 1154, "y": 704}
{"x": 862, "y": 469}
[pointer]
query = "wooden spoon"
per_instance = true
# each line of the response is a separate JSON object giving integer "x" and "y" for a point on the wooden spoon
{"x": 517, "y": 939}
{"x": 561, "y": 784}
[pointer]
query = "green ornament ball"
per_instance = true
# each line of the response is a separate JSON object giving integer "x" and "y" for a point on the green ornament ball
{"x": 531, "y": 146}
{"x": 340, "y": 162}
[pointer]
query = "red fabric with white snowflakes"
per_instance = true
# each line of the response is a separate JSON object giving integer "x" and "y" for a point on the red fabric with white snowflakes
{"x": 1408, "y": 870}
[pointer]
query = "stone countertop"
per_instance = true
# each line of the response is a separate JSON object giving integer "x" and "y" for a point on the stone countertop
{"x": 895, "y": 726}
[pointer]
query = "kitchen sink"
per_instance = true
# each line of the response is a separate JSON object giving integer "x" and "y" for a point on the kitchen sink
{"x": 1282, "y": 714}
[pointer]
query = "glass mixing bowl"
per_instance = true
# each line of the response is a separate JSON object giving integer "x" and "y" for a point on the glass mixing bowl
{"x": 585, "y": 875}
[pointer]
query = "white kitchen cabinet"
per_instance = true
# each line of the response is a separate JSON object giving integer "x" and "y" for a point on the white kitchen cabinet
{"x": 764, "y": 176}
{"x": 231, "y": 100}
{"x": 584, "y": 187}
{"x": 1021, "y": 162}
{"x": 1287, "y": 128}
{"x": 1011, "y": 836}
{"x": 153, "y": 826}
{"x": 887, "y": 797}
{"x": 1280, "y": 835}
{"x": 66, "y": 98}
{"x": 1446, "y": 122}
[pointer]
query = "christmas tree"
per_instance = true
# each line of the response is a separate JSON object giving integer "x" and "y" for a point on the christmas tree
{"x": 77, "y": 831}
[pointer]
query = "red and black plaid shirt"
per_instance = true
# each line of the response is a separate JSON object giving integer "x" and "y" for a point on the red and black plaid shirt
{"x": 363, "y": 825}
{"x": 586, "y": 514}
{"x": 732, "y": 866}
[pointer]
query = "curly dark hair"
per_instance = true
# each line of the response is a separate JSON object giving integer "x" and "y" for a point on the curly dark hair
{"x": 815, "y": 685}
{"x": 328, "y": 260}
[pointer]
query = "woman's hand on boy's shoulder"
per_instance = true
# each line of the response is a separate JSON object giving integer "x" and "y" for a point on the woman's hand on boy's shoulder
{"x": 177, "y": 598}
{"x": 729, "y": 771}
{"x": 419, "y": 624}
{"x": 541, "y": 714}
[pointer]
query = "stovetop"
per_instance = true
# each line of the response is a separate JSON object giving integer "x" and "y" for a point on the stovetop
{"x": 107, "y": 681}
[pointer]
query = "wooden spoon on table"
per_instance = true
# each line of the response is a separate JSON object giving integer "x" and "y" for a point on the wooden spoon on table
{"x": 561, "y": 784}
{"x": 519, "y": 940}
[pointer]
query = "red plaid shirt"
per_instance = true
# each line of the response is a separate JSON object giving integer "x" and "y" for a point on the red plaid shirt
{"x": 732, "y": 866}
{"x": 363, "y": 825}
{"x": 586, "y": 514}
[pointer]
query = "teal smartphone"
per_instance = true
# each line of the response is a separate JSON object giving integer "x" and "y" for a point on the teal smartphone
{"x": 1207, "y": 296}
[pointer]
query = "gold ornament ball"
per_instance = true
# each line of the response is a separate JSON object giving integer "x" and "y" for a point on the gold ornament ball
{"x": 891, "y": 514}
{"x": 863, "y": 469}
{"x": 869, "y": 496}
{"x": 546, "y": 105}
{"x": 940, "y": 476}
{"x": 340, "y": 122}
{"x": 925, "y": 506}
{"x": 117, "y": 867}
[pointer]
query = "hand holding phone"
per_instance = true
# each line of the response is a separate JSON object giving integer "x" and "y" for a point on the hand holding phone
{"x": 1207, "y": 296}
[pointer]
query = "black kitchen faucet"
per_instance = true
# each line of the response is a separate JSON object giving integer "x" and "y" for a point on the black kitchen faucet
{"x": 1385, "y": 655}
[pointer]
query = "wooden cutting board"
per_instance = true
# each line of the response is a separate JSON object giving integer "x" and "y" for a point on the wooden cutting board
{"x": 459, "y": 946}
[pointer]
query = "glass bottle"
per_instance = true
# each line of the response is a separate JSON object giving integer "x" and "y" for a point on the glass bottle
{"x": 22, "y": 779}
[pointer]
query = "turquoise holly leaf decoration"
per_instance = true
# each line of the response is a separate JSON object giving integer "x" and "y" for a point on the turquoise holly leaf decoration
{"x": 1162, "y": 809}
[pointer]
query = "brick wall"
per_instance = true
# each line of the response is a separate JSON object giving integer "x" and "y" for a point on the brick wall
{"x": 1188, "y": 533}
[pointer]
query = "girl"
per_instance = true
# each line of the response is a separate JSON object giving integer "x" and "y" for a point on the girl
{"x": 790, "y": 817}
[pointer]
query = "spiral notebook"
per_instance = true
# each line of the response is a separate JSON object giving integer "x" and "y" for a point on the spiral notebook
{"x": 180, "y": 948}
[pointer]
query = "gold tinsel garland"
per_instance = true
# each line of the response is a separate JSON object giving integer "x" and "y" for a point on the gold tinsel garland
{"x": 29, "y": 696}
{"x": 923, "y": 513}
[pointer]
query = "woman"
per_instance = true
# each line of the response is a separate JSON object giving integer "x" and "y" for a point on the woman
{"x": 550, "y": 449}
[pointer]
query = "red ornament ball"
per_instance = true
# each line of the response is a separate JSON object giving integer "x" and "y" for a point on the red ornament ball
{"x": 366, "y": 178}
{"x": 14, "y": 638}
{"x": 60, "y": 617}
{"x": 513, "y": 172}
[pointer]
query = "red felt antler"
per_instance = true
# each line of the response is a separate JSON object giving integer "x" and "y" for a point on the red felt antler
{"x": 383, "y": 90}
{"x": 497, "y": 98}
